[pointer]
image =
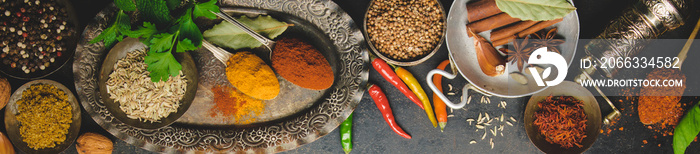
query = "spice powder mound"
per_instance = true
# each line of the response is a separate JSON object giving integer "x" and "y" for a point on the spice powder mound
{"x": 44, "y": 116}
{"x": 231, "y": 103}
{"x": 250, "y": 75}
{"x": 660, "y": 105}
{"x": 561, "y": 120}
{"x": 302, "y": 64}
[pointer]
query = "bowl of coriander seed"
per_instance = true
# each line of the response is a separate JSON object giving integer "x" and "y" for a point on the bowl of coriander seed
{"x": 404, "y": 32}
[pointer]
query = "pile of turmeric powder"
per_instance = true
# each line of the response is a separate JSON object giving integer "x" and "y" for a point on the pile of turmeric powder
{"x": 249, "y": 74}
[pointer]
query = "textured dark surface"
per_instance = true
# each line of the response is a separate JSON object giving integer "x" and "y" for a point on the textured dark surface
{"x": 372, "y": 135}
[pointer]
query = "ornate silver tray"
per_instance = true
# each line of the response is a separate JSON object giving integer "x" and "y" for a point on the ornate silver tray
{"x": 273, "y": 132}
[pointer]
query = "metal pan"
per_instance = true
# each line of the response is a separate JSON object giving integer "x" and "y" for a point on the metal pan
{"x": 463, "y": 57}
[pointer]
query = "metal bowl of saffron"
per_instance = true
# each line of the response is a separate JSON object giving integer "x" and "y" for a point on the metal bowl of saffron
{"x": 562, "y": 130}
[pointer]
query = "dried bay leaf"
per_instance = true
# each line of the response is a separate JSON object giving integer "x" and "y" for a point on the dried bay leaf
{"x": 538, "y": 10}
{"x": 228, "y": 35}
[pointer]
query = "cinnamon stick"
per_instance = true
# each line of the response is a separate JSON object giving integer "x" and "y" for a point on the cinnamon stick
{"x": 539, "y": 26}
{"x": 532, "y": 29}
{"x": 481, "y": 9}
{"x": 503, "y": 41}
{"x": 492, "y": 22}
{"x": 511, "y": 30}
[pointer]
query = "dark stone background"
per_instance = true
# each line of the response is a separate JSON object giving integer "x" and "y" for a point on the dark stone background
{"x": 372, "y": 134}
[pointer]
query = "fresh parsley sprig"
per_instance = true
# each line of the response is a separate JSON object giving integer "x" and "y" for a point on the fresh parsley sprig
{"x": 162, "y": 32}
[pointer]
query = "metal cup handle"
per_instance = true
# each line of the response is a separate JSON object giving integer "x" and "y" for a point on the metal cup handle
{"x": 471, "y": 86}
{"x": 432, "y": 86}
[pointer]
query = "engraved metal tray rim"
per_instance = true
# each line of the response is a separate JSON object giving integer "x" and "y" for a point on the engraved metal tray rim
{"x": 274, "y": 137}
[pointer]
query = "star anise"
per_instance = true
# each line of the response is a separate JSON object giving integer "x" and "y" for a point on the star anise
{"x": 520, "y": 54}
{"x": 542, "y": 39}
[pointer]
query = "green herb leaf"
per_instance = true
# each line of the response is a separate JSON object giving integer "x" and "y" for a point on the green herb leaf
{"x": 115, "y": 32}
{"x": 189, "y": 30}
{"x": 173, "y": 4}
{"x": 686, "y": 130}
{"x": 145, "y": 31}
{"x": 227, "y": 35}
{"x": 109, "y": 36}
{"x": 203, "y": 9}
{"x": 154, "y": 11}
{"x": 162, "y": 42}
{"x": 185, "y": 45}
{"x": 537, "y": 10}
{"x": 126, "y": 5}
{"x": 161, "y": 65}
{"x": 160, "y": 32}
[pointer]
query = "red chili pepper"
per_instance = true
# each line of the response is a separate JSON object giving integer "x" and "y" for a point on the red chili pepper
{"x": 383, "y": 105}
{"x": 388, "y": 73}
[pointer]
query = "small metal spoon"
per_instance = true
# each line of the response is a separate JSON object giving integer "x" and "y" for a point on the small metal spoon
{"x": 223, "y": 55}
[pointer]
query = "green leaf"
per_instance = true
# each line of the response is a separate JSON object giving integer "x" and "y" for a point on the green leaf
{"x": 126, "y": 5}
{"x": 114, "y": 32}
{"x": 173, "y": 4}
{"x": 185, "y": 45}
{"x": 109, "y": 36}
{"x": 227, "y": 35}
{"x": 203, "y": 9}
{"x": 145, "y": 31}
{"x": 162, "y": 42}
{"x": 537, "y": 10}
{"x": 188, "y": 29}
{"x": 154, "y": 11}
{"x": 123, "y": 22}
{"x": 161, "y": 65}
{"x": 686, "y": 130}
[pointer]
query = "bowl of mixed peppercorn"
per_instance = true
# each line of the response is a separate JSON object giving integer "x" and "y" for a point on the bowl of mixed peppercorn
{"x": 37, "y": 37}
{"x": 405, "y": 32}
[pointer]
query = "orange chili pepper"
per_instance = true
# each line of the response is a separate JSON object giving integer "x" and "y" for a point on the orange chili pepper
{"x": 440, "y": 107}
{"x": 413, "y": 84}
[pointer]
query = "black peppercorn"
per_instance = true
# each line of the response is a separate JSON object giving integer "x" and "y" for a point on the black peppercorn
{"x": 32, "y": 34}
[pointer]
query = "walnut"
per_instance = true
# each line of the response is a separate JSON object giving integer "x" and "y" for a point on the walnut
{"x": 92, "y": 143}
{"x": 4, "y": 92}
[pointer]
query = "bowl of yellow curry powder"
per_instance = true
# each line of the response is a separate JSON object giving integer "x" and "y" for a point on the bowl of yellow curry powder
{"x": 42, "y": 116}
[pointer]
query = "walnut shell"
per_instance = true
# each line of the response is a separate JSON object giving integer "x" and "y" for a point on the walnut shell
{"x": 4, "y": 92}
{"x": 6, "y": 145}
{"x": 92, "y": 143}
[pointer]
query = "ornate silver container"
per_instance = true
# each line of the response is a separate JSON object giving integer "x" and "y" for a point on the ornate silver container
{"x": 627, "y": 35}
